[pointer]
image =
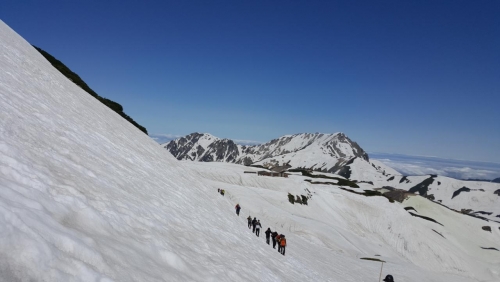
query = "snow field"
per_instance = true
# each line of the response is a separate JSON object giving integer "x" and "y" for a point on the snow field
{"x": 350, "y": 226}
{"x": 86, "y": 196}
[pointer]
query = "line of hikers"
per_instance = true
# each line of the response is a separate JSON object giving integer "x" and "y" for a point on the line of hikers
{"x": 221, "y": 191}
{"x": 277, "y": 238}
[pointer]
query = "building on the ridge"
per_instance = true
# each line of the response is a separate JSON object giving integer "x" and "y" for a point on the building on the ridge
{"x": 278, "y": 171}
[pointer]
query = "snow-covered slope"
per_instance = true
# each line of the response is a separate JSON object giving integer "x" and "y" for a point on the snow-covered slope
{"x": 354, "y": 226}
{"x": 481, "y": 198}
{"x": 326, "y": 152}
{"x": 86, "y": 196}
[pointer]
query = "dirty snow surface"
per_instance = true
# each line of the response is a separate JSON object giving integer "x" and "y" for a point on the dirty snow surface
{"x": 85, "y": 196}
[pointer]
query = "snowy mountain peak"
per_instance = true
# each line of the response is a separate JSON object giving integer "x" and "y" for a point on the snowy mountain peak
{"x": 203, "y": 147}
{"x": 319, "y": 151}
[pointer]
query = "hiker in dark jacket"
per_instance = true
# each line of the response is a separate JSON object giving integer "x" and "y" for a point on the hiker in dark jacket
{"x": 268, "y": 234}
{"x": 249, "y": 218}
{"x": 388, "y": 278}
{"x": 254, "y": 221}
{"x": 238, "y": 208}
{"x": 273, "y": 236}
{"x": 258, "y": 226}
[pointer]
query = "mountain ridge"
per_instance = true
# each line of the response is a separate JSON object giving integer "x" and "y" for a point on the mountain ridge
{"x": 75, "y": 78}
{"x": 334, "y": 150}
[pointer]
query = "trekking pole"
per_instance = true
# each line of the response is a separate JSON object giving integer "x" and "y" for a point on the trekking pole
{"x": 380, "y": 277}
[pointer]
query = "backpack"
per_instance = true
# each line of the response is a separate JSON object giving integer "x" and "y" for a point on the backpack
{"x": 283, "y": 242}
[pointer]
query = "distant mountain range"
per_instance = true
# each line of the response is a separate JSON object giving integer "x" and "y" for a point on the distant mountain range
{"x": 314, "y": 151}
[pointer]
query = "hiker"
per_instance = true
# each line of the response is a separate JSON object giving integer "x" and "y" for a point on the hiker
{"x": 388, "y": 278}
{"x": 249, "y": 218}
{"x": 254, "y": 221}
{"x": 268, "y": 234}
{"x": 282, "y": 244}
{"x": 222, "y": 192}
{"x": 278, "y": 239}
{"x": 273, "y": 236}
{"x": 238, "y": 208}
{"x": 257, "y": 228}
{"x": 218, "y": 190}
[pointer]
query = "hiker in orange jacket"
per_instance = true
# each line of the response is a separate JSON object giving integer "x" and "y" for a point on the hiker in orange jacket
{"x": 282, "y": 244}
{"x": 278, "y": 238}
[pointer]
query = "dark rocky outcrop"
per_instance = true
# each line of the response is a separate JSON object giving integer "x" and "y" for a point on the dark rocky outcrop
{"x": 486, "y": 228}
{"x": 426, "y": 218}
{"x": 463, "y": 189}
{"x": 422, "y": 187}
{"x": 483, "y": 212}
{"x": 345, "y": 172}
{"x": 410, "y": 208}
{"x": 438, "y": 233}
{"x": 75, "y": 78}
{"x": 223, "y": 150}
{"x": 398, "y": 195}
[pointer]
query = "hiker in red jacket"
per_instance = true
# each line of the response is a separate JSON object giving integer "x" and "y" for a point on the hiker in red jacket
{"x": 278, "y": 239}
{"x": 238, "y": 208}
{"x": 283, "y": 244}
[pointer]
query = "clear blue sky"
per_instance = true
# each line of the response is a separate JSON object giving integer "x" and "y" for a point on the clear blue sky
{"x": 408, "y": 77}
